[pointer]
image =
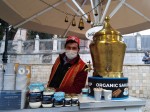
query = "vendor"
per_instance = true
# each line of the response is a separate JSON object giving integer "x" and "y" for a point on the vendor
{"x": 68, "y": 72}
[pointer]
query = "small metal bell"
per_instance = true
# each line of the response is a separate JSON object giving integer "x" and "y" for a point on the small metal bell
{"x": 81, "y": 24}
{"x": 74, "y": 22}
{"x": 66, "y": 18}
{"x": 89, "y": 18}
{"x": 96, "y": 14}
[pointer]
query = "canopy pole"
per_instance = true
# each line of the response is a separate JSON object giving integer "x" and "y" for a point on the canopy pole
{"x": 105, "y": 11}
{"x": 71, "y": 23}
{"x": 138, "y": 12}
{"x": 77, "y": 5}
{"x": 75, "y": 11}
{"x": 40, "y": 13}
{"x": 97, "y": 5}
{"x": 117, "y": 8}
{"x": 92, "y": 5}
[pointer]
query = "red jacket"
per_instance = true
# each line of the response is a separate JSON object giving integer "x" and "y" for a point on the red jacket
{"x": 75, "y": 77}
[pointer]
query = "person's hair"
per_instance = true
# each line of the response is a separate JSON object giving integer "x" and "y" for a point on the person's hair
{"x": 71, "y": 41}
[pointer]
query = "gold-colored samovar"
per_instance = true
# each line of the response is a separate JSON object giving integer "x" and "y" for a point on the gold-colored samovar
{"x": 107, "y": 52}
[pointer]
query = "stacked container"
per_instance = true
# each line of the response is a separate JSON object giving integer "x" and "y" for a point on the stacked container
{"x": 21, "y": 78}
{"x": 9, "y": 77}
{"x": 35, "y": 94}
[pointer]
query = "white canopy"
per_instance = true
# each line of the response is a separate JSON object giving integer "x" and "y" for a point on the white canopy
{"x": 48, "y": 16}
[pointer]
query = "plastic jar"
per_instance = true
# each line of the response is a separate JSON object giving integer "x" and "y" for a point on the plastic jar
{"x": 35, "y": 97}
{"x": 68, "y": 100}
{"x": 85, "y": 92}
{"x": 75, "y": 100}
{"x": 47, "y": 100}
{"x": 59, "y": 99}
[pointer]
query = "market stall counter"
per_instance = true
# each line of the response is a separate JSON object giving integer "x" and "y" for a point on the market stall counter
{"x": 130, "y": 104}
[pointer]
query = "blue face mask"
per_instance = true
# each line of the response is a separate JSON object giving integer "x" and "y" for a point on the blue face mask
{"x": 71, "y": 54}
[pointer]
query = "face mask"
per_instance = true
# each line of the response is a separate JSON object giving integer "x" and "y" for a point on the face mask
{"x": 71, "y": 54}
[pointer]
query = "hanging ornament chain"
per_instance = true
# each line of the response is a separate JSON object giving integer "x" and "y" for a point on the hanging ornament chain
{"x": 100, "y": 3}
{"x": 81, "y": 23}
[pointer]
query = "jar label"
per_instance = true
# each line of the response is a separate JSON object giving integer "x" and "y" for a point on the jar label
{"x": 58, "y": 103}
{"x": 68, "y": 102}
{"x": 35, "y": 97}
{"x": 47, "y": 99}
{"x": 75, "y": 102}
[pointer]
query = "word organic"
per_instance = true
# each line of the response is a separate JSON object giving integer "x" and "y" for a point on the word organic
{"x": 101, "y": 85}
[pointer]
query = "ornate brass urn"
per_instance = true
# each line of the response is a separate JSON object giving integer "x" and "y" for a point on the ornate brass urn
{"x": 107, "y": 51}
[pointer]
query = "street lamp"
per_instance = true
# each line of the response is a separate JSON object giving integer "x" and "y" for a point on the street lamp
{"x": 5, "y": 56}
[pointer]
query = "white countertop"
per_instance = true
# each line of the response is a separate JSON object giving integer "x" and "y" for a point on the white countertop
{"x": 89, "y": 102}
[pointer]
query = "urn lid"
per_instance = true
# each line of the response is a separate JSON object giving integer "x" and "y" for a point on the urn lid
{"x": 107, "y": 29}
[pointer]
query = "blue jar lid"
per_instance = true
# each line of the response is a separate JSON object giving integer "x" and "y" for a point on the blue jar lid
{"x": 59, "y": 95}
{"x": 36, "y": 85}
{"x": 85, "y": 89}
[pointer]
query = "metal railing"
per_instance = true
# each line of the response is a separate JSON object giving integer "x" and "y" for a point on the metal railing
{"x": 57, "y": 45}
